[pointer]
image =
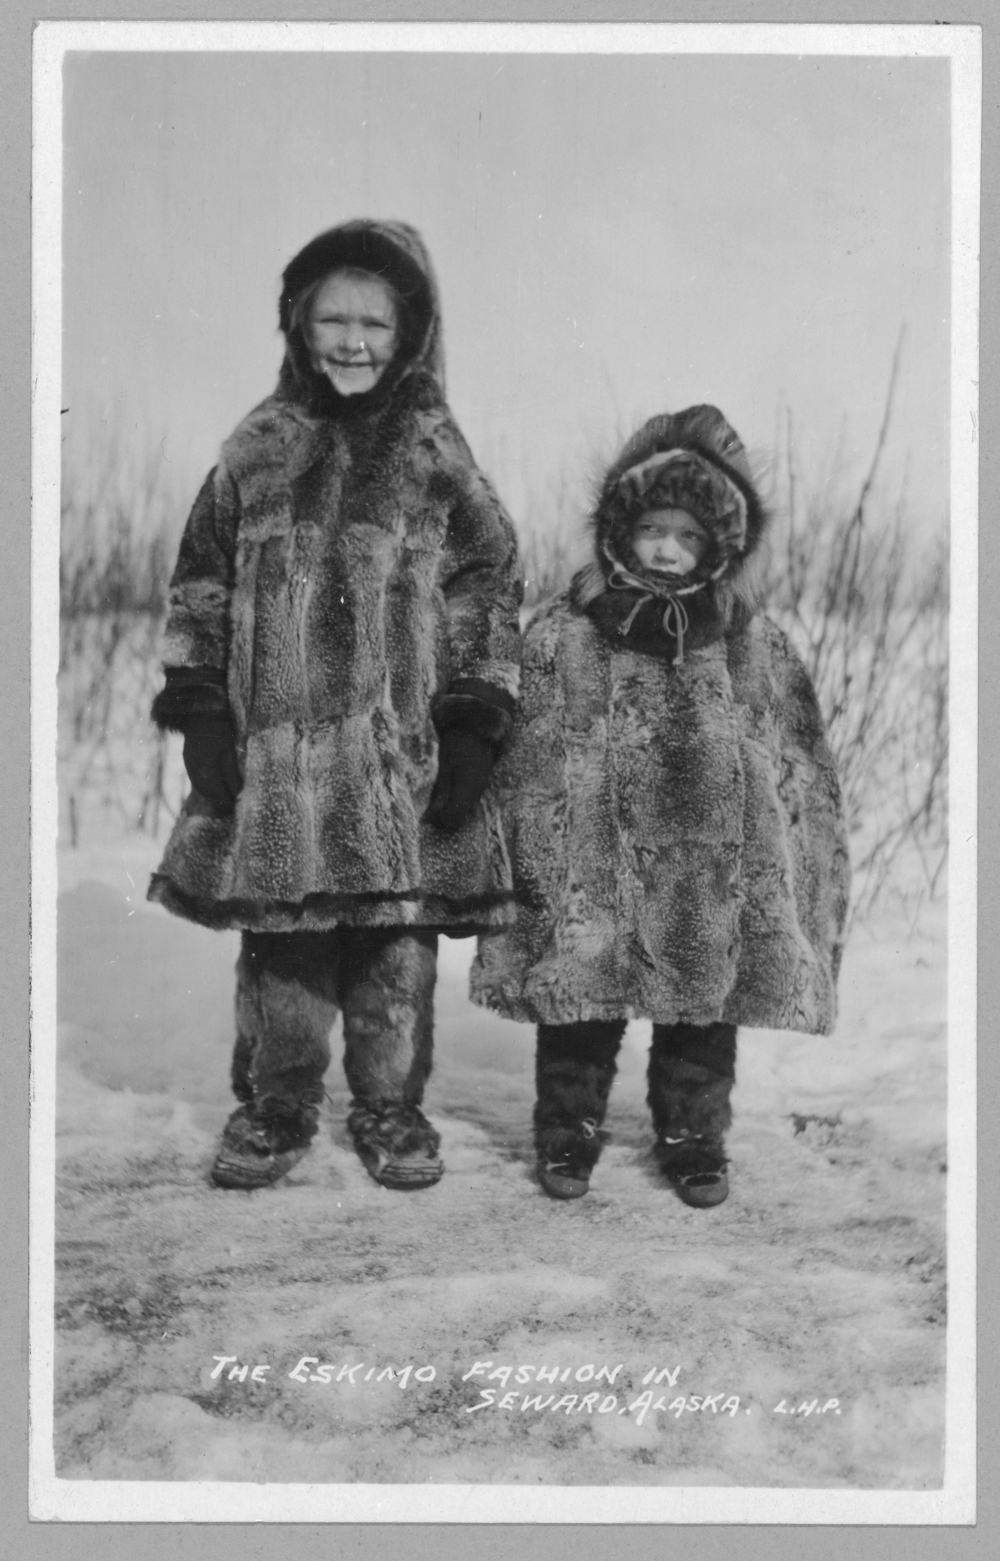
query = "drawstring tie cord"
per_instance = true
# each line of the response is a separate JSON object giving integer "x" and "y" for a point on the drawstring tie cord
{"x": 621, "y": 580}
{"x": 677, "y": 610}
{"x": 624, "y": 627}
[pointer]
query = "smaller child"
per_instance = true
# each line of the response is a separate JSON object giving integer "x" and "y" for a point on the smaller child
{"x": 673, "y": 814}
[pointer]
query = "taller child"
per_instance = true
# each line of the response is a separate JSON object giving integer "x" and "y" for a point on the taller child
{"x": 342, "y": 657}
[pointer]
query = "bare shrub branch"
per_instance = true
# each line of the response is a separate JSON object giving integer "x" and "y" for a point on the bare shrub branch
{"x": 868, "y": 611}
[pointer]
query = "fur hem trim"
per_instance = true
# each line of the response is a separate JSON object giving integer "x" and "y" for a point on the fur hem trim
{"x": 323, "y": 912}
{"x": 524, "y": 1011}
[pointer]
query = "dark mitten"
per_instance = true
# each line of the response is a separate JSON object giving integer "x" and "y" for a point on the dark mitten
{"x": 210, "y": 759}
{"x": 464, "y": 765}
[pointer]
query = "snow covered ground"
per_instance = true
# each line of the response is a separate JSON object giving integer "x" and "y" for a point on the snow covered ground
{"x": 821, "y": 1279}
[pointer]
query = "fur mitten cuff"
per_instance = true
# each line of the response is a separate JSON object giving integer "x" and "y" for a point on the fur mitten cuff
{"x": 477, "y": 707}
{"x": 189, "y": 691}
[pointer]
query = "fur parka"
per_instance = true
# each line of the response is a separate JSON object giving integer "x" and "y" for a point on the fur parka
{"x": 672, "y": 809}
{"x": 347, "y": 589}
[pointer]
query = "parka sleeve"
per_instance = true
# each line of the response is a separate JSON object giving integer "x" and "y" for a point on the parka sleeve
{"x": 481, "y": 581}
{"x": 809, "y": 787}
{"x": 196, "y": 639}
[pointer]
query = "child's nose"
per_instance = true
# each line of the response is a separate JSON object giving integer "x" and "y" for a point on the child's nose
{"x": 354, "y": 339}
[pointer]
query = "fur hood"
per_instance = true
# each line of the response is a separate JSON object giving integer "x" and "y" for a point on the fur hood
{"x": 692, "y": 460}
{"x": 393, "y": 251}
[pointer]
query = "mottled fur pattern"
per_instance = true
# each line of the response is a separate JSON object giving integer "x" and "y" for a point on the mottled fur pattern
{"x": 676, "y": 832}
{"x": 290, "y": 989}
{"x": 354, "y": 579}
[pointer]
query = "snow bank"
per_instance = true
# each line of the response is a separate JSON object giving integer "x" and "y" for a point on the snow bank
{"x": 821, "y": 1279}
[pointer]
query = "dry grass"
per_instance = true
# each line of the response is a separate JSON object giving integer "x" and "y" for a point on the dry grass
{"x": 121, "y": 523}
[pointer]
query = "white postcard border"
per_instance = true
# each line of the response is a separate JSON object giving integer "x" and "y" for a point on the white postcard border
{"x": 52, "y": 1499}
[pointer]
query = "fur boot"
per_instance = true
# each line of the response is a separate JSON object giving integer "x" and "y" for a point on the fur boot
{"x": 574, "y": 1069}
{"x": 692, "y": 1069}
{"x": 397, "y": 1145}
{"x": 265, "y": 1138}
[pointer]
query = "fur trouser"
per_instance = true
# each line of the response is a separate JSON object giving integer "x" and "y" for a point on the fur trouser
{"x": 289, "y": 987}
{"x": 692, "y": 1069}
{"x": 691, "y": 1073}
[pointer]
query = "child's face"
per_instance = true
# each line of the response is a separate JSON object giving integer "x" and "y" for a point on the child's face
{"x": 669, "y": 541}
{"x": 352, "y": 331}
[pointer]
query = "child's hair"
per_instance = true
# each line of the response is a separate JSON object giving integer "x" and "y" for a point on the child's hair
{"x": 405, "y": 317}
{"x": 303, "y": 302}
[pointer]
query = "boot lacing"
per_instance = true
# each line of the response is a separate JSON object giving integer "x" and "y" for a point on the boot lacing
{"x": 590, "y": 1129}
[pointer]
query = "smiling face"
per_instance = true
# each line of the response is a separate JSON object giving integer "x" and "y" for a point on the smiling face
{"x": 669, "y": 542}
{"x": 352, "y": 331}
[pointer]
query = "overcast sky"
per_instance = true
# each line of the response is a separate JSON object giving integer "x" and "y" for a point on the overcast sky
{"x": 614, "y": 236}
